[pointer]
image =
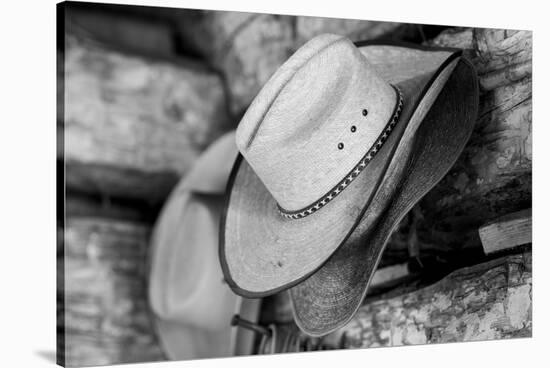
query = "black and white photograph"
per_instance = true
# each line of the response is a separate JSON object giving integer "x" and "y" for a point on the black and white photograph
{"x": 239, "y": 183}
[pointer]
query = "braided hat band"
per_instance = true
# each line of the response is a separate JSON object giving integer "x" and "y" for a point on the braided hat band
{"x": 371, "y": 153}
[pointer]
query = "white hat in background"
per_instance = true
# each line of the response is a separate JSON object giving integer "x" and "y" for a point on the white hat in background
{"x": 193, "y": 305}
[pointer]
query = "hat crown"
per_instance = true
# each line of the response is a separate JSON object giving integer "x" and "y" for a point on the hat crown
{"x": 314, "y": 120}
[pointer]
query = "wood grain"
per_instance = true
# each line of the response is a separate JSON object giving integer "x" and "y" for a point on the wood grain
{"x": 132, "y": 125}
{"x": 506, "y": 232}
{"x": 488, "y": 301}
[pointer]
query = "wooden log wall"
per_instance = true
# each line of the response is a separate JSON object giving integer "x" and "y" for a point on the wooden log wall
{"x": 487, "y": 301}
{"x": 137, "y": 114}
{"x": 133, "y": 126}
{"x": 490, "y": 300}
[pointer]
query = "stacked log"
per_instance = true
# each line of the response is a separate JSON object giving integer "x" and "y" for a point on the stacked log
{"x": 132, "y": 125}
{"x": 490, "y": 300}
{"x": 487, "y": 301}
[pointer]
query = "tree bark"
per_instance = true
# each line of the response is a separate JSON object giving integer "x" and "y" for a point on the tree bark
{"x": 132, "y": 126}
{"x": 105, "y": 315}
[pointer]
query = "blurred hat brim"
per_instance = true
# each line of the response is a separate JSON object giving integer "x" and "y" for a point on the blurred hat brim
{"x": 192, "y": 306}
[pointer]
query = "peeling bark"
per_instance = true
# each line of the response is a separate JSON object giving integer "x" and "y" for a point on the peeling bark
{"x": 488, "y": 301}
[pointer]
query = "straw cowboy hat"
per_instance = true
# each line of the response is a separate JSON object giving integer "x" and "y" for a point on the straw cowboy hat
{"x": 328, "y": 146}
{"x": 192, "y": 304}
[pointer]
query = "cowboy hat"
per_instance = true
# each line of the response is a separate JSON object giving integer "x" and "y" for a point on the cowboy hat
{"x": 319, "y": 304}
{"x": 192, "y": 305}
{"x": 333, "y": 125}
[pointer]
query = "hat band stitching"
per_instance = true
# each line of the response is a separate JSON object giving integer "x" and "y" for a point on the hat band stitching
{"x": 371, "y": 153}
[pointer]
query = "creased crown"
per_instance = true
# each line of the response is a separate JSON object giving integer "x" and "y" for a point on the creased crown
{"x": 314, "y": 120}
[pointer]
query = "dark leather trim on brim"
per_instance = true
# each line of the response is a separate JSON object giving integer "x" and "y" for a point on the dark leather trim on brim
{"x": 330, "y": 297}
{"x": 237, "y": 166}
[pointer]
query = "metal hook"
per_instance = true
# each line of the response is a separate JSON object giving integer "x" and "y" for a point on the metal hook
{"x": 241, "y": 322}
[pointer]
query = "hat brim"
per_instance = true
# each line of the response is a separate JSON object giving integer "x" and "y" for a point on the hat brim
{"x": 261, "y": 252}
{"x": 191, "y": 308}
{"x": 181, "y": 341}
{"x": 331, "y": 296}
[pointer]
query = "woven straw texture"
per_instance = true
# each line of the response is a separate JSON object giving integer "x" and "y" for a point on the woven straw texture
{"x": 330, "y": 297}
{"x": 262, "y": 252}
{"x": 291, "y": 133}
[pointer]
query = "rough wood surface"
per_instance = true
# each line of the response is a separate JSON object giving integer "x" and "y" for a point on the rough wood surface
{"x": 507, "y": 232}
{"x": 493, "y": 175}
{"x": 132, "y": 125}
{"x": 491, "y": 300}
{"x": 106, "y": 315}
{"x": 248, "y": 47}
{"x": 488, "y": 301}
